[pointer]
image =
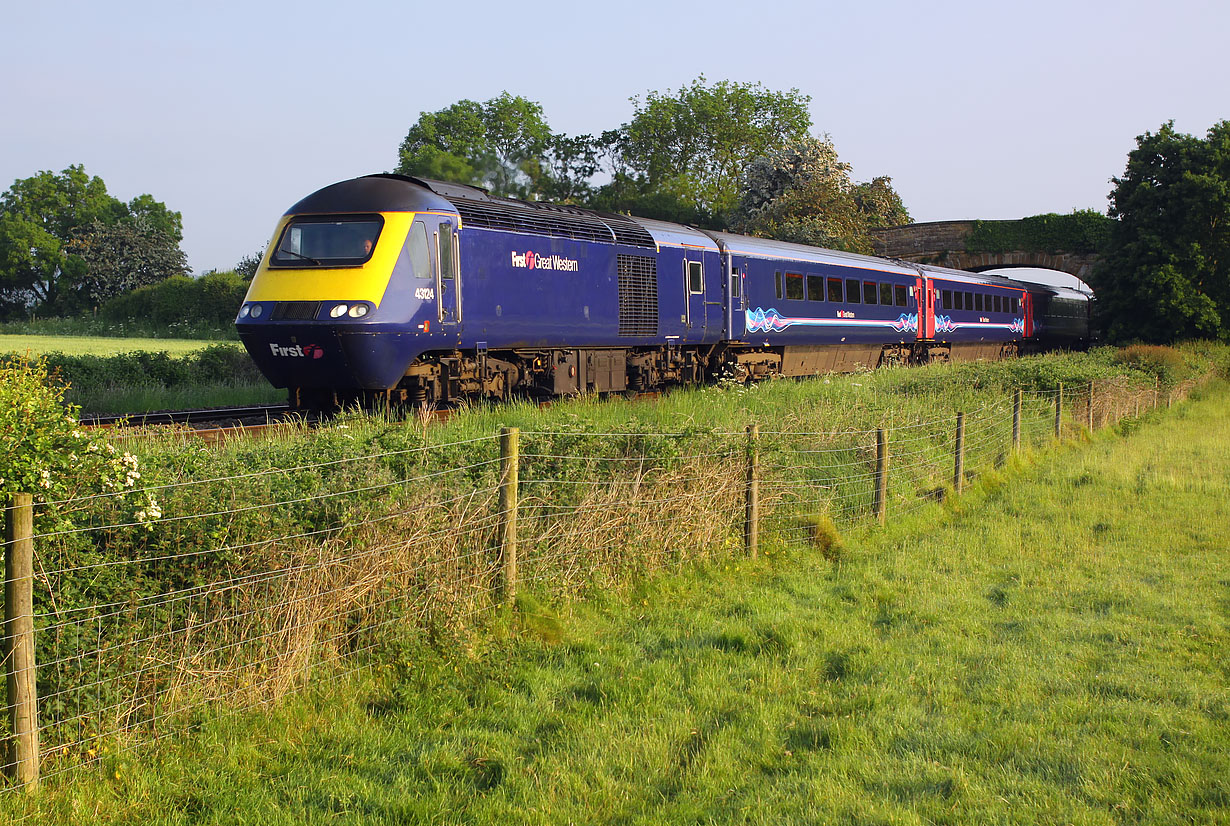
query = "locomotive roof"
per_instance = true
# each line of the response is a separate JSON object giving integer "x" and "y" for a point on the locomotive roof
{"x": 372, "y": 193}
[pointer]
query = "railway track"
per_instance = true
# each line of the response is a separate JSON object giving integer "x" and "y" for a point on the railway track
{"x": 206, "y": 418}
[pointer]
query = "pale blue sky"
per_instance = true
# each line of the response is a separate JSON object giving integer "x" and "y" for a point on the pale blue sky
{"x": 231, "y": 111}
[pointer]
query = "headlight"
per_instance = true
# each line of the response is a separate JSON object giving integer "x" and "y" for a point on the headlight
{"x": 358, "y": 311}
{"x": 244, "y": 310}
{"x": 257, "y": 310}
{"x": 338, "y": 311}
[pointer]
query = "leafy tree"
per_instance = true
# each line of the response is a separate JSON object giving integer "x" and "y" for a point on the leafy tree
{"x": 697, "y": 141}
{"x": 38, "y": 215}
{"x": 802, "y": 192}
{"x": 1166, "y": 273}
{"x": 499, "y": 145}
{"x": 60, "y": 245}
{"x": 249, "y": 264}
{"x": 120, "y": 256}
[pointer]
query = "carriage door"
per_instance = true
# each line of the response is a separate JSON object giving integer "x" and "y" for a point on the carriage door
{"x": 924, "y": 292}
{"x": 448, "y": 274}
{"x": 694, "y": 294}
{"x": 736, "y": 318}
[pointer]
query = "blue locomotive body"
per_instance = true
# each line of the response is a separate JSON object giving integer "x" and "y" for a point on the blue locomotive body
{"x": 431, "y": 291}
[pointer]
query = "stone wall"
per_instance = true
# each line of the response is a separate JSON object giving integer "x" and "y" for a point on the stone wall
{"x": 942, "y": 243}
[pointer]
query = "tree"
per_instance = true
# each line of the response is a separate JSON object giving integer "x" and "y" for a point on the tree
{"x": 1166, "y": 272}
{"x": 249, "y": 264}
{"x": 697, "y": 142}
{"x": 121, "y": 256}
{"x": 37, "y": 217}
{"x": 803, "y": 193}
{"x": 59, "y": 245}
{"x": 499, "y": 145}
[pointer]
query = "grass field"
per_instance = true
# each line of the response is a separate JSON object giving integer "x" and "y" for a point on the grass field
{"x": 37, "y": 345}
{"x": 1049, "y": 648}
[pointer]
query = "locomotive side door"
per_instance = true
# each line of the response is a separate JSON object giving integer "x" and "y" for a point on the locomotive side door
{"x": 448, "y": 273}
{"x": 694, "y": 294}
{"x": 736, "y": 271}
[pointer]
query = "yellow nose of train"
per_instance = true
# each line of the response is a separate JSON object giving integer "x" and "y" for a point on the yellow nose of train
{"x": 344, "y": 297}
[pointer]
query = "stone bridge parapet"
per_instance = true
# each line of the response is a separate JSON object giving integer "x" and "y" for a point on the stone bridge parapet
{"x": 943, "y": 243}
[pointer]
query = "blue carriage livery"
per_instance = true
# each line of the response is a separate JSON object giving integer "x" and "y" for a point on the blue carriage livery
{"x": 426, "y": 292}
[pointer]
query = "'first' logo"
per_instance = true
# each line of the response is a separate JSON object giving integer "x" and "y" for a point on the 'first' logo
{"x": 307, "y": 351}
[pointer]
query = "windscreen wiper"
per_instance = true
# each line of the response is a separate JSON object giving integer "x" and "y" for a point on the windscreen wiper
{"x": 302, "y": 257}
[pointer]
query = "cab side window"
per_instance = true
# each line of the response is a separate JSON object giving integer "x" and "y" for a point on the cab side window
{"x": 448, "y": 260}
{"x": 420, "y": 256}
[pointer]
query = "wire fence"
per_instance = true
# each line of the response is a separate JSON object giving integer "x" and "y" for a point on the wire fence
{"x": 250, "y": 586}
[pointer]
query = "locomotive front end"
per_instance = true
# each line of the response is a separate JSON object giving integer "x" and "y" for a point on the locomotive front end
{"x": 349, "y": 292}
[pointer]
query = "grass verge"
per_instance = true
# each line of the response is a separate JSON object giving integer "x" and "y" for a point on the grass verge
{"x": 1049, "y": 648}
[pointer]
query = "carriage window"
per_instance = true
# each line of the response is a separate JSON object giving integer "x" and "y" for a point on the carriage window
{"x": 815, "y": 288}
{"x": 969, "y": 301}
{"x": 835, "y": 289}
{"x": 947, "y": 299}
{"x": 777, "y": 277}
{"x": 978, "y": 302}
{"x": 869, "y": 293}
{"x": 999, "y": 303}
{"x": 899, "y": 294}
{"x": 794, "y": 286}
{"x": 886, "y": 294}
{"x": 736, "y": 282}
{"x": 420, "y": 257}
{"x": 696, "y": 283}
{"x": 852, "y": 286}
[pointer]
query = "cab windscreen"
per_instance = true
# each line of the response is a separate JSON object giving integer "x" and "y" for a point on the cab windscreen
{"x": 327, "y": 241}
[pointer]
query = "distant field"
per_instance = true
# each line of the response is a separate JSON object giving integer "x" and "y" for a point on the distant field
{"x": 99, "y": 345}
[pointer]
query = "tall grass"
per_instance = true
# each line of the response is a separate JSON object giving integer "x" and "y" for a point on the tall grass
{"x": 1047, "y": 648}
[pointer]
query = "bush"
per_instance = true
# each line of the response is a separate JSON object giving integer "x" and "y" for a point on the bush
{"x": 216, "y": 364}
{"x": 211, "y": 299}
{"x": 1167, "y": 364}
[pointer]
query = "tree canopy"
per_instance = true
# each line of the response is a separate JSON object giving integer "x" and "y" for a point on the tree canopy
{"x": 66, "y": 244}
{"x": 684, "y": 156}
{"x": 801, "y": 192}
{"x": 1166, "y": 272}
{"x": 697, "y": 141}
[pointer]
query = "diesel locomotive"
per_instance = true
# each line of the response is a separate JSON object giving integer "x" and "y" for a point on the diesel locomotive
{"x": 421, "y": 291}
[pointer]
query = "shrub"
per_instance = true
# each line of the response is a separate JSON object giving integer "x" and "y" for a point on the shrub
{"x": 1167, "y": 364}
{"x": 211, "y": 299}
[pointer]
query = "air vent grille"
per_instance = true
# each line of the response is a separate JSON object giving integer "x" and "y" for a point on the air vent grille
{"x": 295, "y": 310}
{"x": 628, "y": 231}
{"x": 554, "y": 220}
{"x": 638, "y": 295}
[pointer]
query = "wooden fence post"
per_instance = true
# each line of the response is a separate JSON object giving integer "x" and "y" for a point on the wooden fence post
{"x": 751, "y": 513}
{"x": 879, "y": 505}
{"x": 1090, "y": 411}
{"x": 1016, "y": 420}
{"x": 509, "y": 461}
{"x": 958, "y": 463}
{"x": 1059, "y": 412}
{"x": 19, "y": 639}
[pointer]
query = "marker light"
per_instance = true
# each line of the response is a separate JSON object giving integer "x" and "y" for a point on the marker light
{"x": 358, "y": 311}
{"x": 338, "y": 311}
{"x": 257, "y": 310}
{"x": 244, "y": 310}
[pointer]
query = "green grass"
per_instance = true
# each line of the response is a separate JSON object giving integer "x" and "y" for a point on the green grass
{"x": 37, "y": 345}
{"x": 139, "y": 399}
{"x": 1049, "y": 648}
{"x": 131, "y": 328}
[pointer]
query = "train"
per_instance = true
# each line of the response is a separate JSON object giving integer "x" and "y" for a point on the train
{"x": 426, "y": 292}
